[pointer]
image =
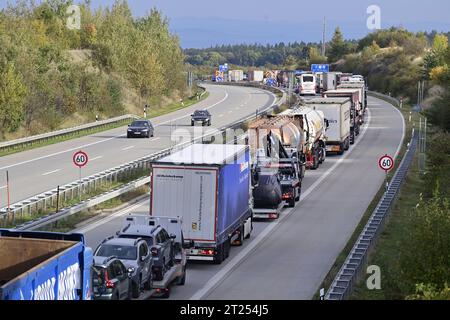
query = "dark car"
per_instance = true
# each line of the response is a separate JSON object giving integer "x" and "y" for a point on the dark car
{"x": 140, "y": 128}
{"x": 202, "y": 116}
{"x": 110, "y": 279}
{"x": 135, "y": 255}
{"x": 159, "y": 242}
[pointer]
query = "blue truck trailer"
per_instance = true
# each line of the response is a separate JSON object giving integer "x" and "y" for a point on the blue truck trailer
{"x": 44, "y": 266}
{"x": 208, "y": 186}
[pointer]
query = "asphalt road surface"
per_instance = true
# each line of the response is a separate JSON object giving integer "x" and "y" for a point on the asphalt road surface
{"x": 288, "y": 258}
{"x": 42, "y": 169}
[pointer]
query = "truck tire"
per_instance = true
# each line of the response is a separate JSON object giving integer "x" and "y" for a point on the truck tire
{"x": 315, "y": 165}
{"x": 347, "y": 144}
{"x": 291, "y": 202}
{"x": 192, "y": 123}
{"x": 352, "y": 138}
{"x": 227, "y": 248}
{"x": 182, "y": 280}
{"x": 135, "y": 290}
{"x": 240, "y": 239}
{"x": 218, "y": 257}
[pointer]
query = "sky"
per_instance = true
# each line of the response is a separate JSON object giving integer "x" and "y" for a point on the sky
{"x": 203, "y": 23}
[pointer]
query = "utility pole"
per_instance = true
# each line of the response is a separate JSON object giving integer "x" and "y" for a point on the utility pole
{"x": 323, "y": 36}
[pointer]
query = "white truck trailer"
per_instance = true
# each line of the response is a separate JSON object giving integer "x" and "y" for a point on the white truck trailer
{"x": 337, "y": 112}
{"x": 209, "y": 187}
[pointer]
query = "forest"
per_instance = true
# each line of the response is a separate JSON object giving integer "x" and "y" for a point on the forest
{"x": 53, "y": 75}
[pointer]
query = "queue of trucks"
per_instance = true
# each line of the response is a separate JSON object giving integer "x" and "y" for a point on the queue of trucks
{"x": 204, "y": 199}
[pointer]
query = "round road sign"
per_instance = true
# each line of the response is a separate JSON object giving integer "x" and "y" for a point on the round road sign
{"x": 386, "y": 163}
{"x": 80, "y": 159}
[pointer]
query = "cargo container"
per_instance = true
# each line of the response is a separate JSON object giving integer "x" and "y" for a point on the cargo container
{"x": 44, "y": 266}
{"x": 361, "y": 86}
{"x": 209, "y": 187}
{"x": 330, "y": 80}
{"x": 356, "y": 107}
{"x": 256, "y": 76}
{"x": 337, "y": 112}
{"x": 235, "y": 75}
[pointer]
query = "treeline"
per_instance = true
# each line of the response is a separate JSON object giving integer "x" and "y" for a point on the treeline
{"x": 50, "y": 73}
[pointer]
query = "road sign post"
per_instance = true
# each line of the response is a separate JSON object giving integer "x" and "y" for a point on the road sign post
{"x": 386, "y": 163}
{"x": 80, "y": 159}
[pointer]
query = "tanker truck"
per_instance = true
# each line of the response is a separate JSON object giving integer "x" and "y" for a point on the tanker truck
{"x": 313, "y": 126}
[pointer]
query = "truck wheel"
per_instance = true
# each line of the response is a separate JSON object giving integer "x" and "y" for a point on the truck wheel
{"x": 135, "y": 290}
{"x": 218, "y": 257}
{"x": 347, "y": 144}
{"x": 192, "y": 123}
{"x": 227, "y": 249}
{"x": 291, "y": 202}
{"x": 240, "y": 239}
{"x": 182, "y": 280}
{"x": 315, "y": 162}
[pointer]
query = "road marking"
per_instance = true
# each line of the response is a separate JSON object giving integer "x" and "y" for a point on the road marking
{"x": 95, "y": 225}
{"x": 96, "y": 158}
{"x": 231, "y": 111}
{"x": 127, "y": 148}
{"x": 220, "y": 116}
{"x": 218, "y": 278}
{"x": 156, "y": 139}
{"x": 51, "y": 172}
{"x": 4, "y": 187}
{"x": 237, "y": 108}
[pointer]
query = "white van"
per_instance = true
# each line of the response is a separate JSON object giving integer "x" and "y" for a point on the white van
{"x": 307, "y": 84}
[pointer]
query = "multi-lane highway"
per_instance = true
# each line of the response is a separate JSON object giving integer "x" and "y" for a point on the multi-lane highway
{"x": 289, "y": 258}
{"x": 36, "y": 171}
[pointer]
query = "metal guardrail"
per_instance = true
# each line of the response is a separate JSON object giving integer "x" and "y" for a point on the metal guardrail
{"x": 389, "y": 99}
{"x": 356, "y": 262}
{"x": 74, "y": 190}
{"x": 14, "y": 144}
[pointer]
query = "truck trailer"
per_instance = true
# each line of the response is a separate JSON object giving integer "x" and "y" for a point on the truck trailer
{"x": 356, "y": 108}
{"x": 255, "y": 76}
{"x": 337, "y": 112}
{"x": 44, "y": 266}
{"x": 360, "y": 85}
{"x": 208, "y": 186}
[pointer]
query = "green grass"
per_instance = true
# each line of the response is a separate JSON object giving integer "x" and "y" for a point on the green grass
{"x": 345, "y": 252}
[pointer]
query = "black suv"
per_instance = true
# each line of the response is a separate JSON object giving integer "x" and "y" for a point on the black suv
{"x": 110, "y": 279}
{"x": 202, "y": 116}
{"x": 159, "y": 242}
{"x": 140, "y": 128}
{"x": 135, "y": 255}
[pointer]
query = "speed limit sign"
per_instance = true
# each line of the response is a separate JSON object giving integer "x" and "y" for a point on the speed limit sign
{"x": 80, "y": 159}
{"x": 386, "y": 163}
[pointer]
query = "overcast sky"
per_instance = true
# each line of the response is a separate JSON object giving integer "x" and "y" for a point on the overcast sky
{"x": 201, "y": 23}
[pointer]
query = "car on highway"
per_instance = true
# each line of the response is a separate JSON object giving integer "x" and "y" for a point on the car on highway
{"x": 202, "y": 116}
{"x": 140, "y": 128}
{"x": 160, "y": 244}
{"x": 135, "y": 255}
{"x": 110, "y": 279}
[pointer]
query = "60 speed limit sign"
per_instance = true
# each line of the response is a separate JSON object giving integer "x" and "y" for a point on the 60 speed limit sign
{"x": 386, "y": 163}
{"x": 80, "y": 159}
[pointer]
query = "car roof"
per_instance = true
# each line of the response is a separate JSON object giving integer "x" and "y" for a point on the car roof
{"x": 120, "y": 241}
{"x": 139, "y": 230}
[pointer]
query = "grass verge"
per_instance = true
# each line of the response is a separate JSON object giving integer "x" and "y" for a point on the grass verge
{"x": 326, "y": 283}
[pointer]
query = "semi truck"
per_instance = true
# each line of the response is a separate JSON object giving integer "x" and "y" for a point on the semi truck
{"x": 337, "y": 112}
{"x": 44, "y": 266}
{"x": 313, "y": 124}
{"x": 360, "y": 85}
{"x": 236, "y": 75}
{"x": 208, "y": 186}
{"x": 330, "y": 80}
{"x": 255, "y": 76}
{"x": 356, "y": 108}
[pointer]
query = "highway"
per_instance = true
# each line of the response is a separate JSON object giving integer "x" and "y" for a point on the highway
{"x": 288, "y": 258}
{"x": 42, "y": 169}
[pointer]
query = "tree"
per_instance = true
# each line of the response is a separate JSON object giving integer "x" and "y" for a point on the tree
{"x": 338, "y": 47}
{"x": 315, "y": 56}
{"x": 12, "y": 96}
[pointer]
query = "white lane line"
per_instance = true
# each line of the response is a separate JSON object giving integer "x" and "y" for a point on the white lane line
{"x": 220, "y": 116}
{"x": 96, "y": 158}
{"x": 237, "y": 108}
{"x": 111, "y": 217}
{"x": 224, "y": 272}
{"x": 51, "y": 172}
{"x": 231, "y": 111}
{"x": 127, "y": 148}
{"x": 156, "y": 139}
{"x": 97, "y": 142}
{"x": 4, "y": 187}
